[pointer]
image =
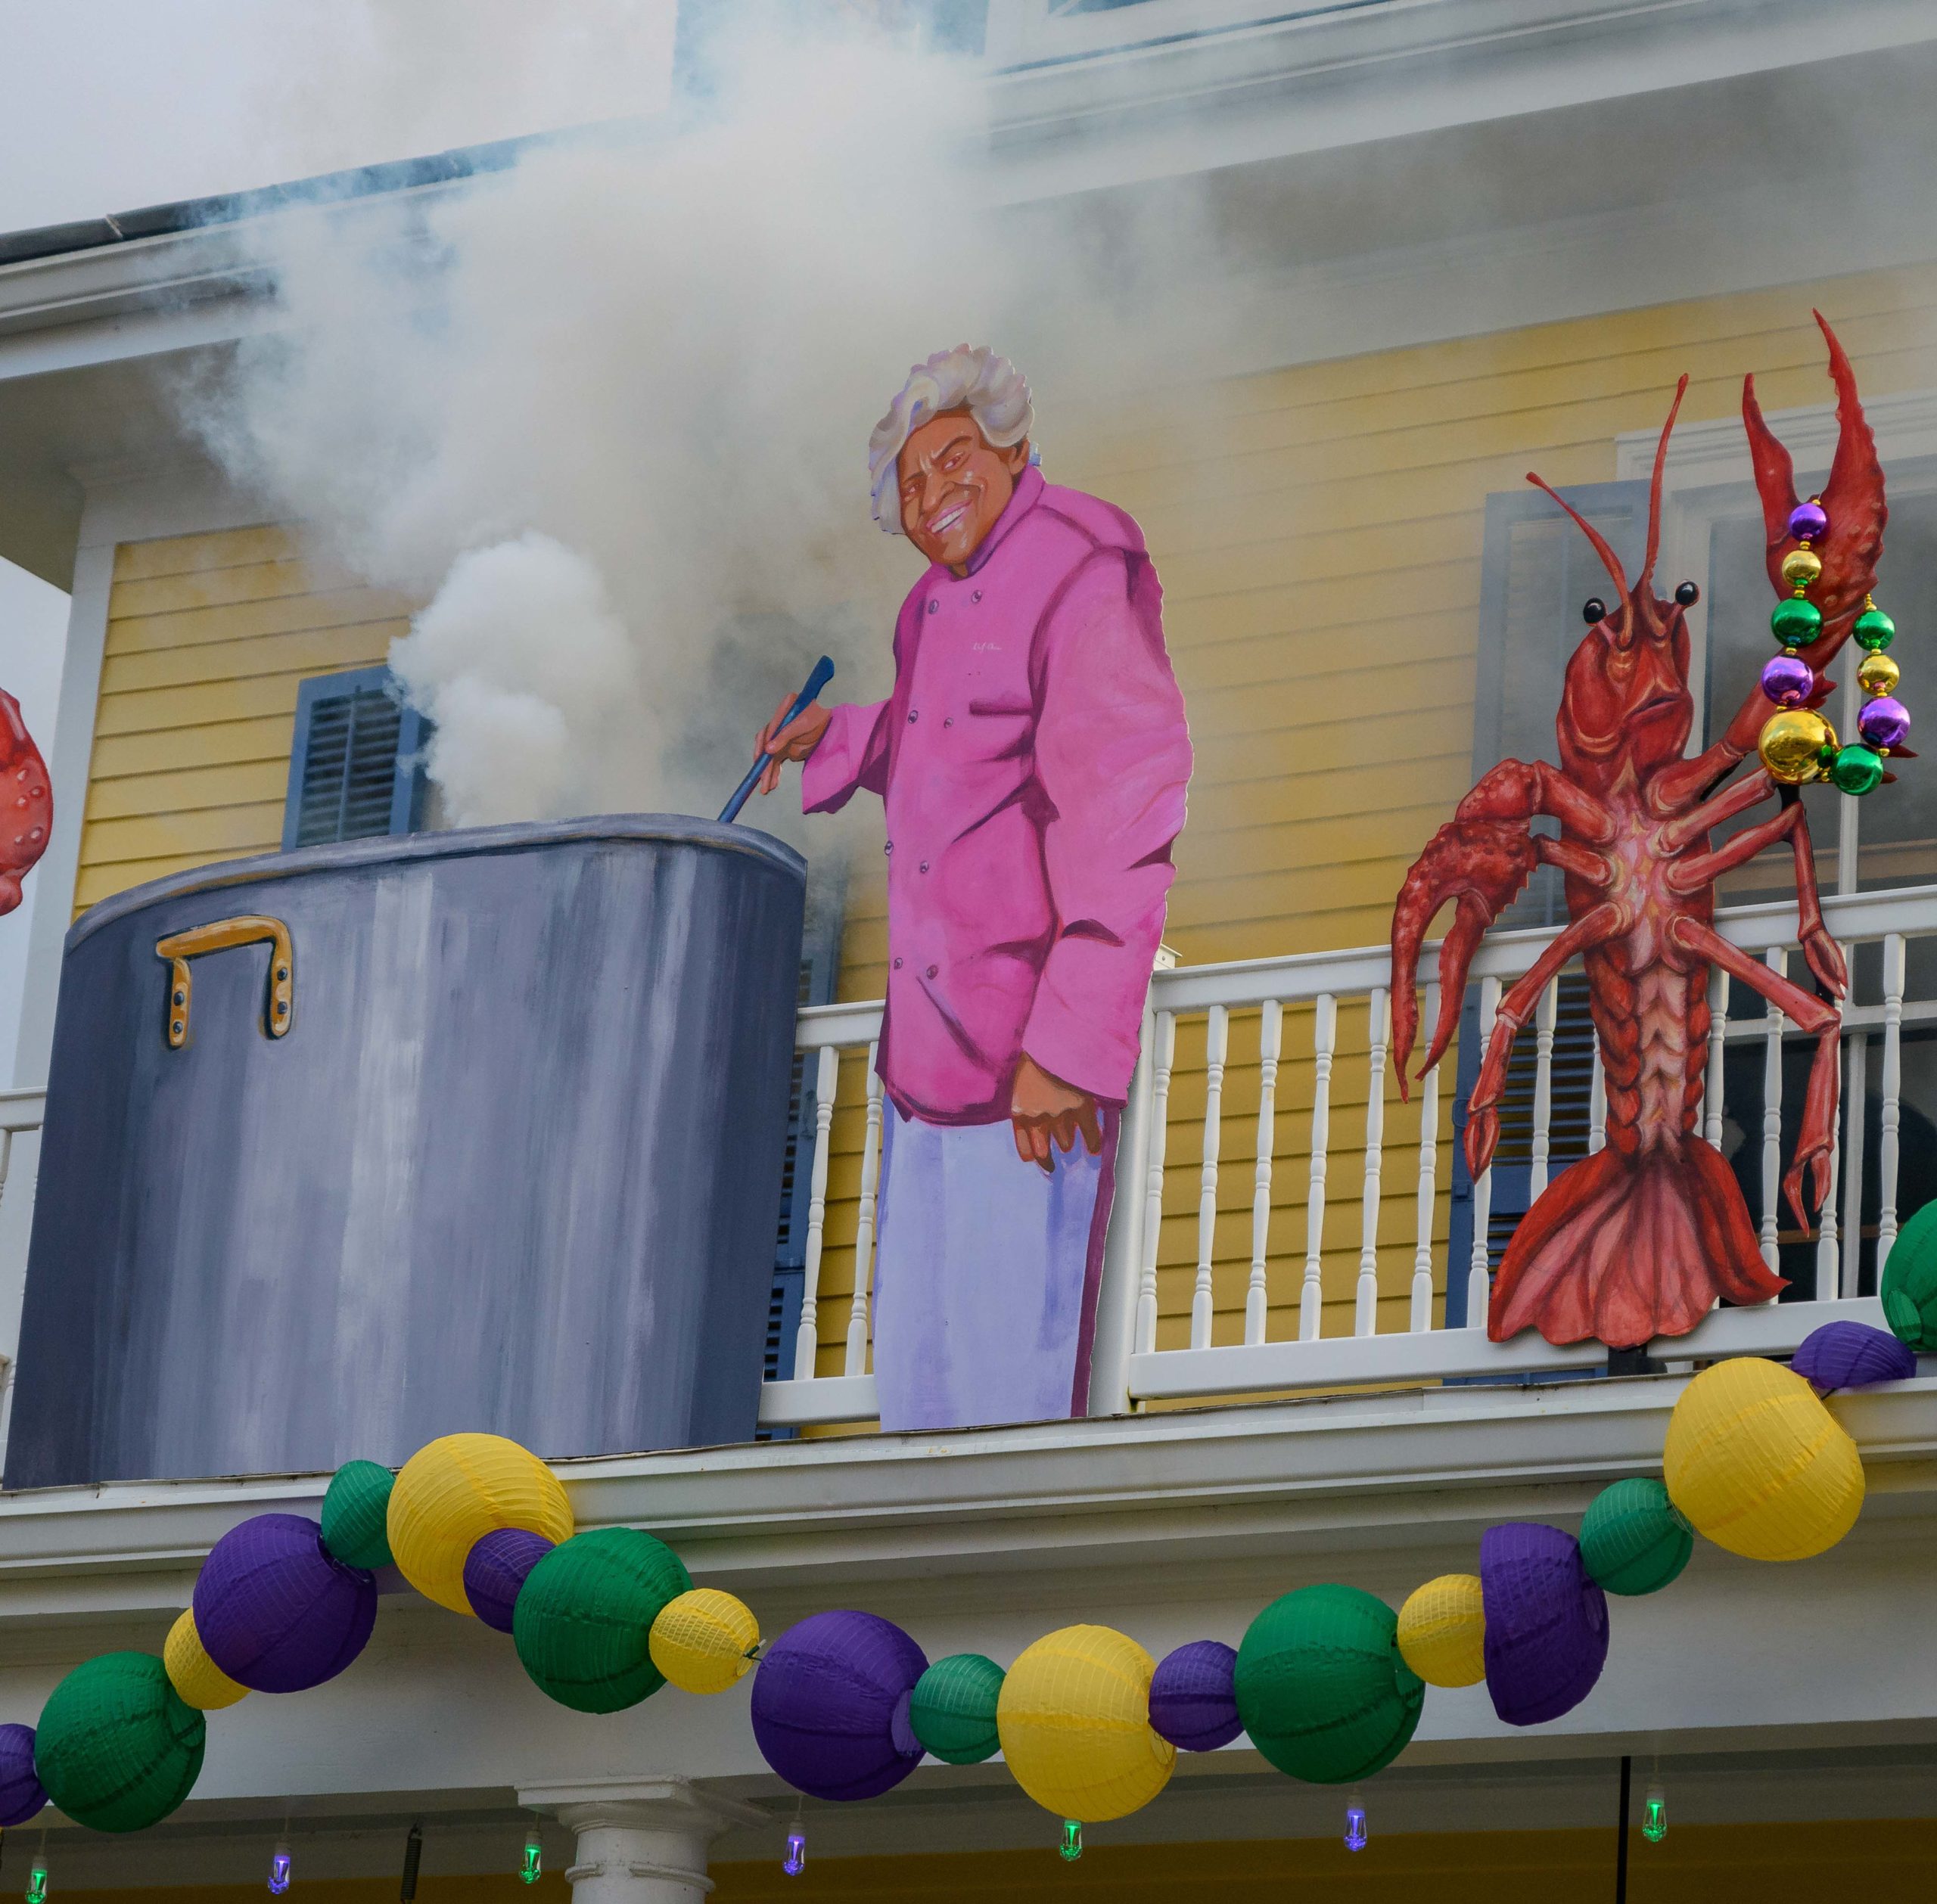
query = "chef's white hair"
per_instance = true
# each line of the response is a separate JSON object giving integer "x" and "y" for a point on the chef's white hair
{"x": 994, "y": 392}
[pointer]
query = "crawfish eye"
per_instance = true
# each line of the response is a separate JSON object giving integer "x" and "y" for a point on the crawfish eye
{"x": 1593, "y": 610}
{"x": 1687, "y": 595}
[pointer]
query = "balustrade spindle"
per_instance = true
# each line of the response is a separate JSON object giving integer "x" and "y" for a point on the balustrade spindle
{"x": 1270, "y": 1029}
{"x": 1216, "y": 1044}
{"x": 1545, "y": 1014}
{"x": 1778, "y": 960}
{"x": 807, "y": 1339}
{"x": 1365, "y": 1318}
{"x": 1894, "y": 964}
{"x": 1478, "y": 1278}
{"x": 1597, "y": 1102}
{"x": 1429, "y": 1197}
{"x": 1855, "y": 1089}
{"x": 1163, "y": 1060}
{"x": 1324, "y": 1043}
{"x": 864, "y": 1226}
{"x": 1712, "y": 1085}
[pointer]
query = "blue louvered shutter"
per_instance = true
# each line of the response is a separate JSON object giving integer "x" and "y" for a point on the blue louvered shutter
{"x": 356, "y": 765}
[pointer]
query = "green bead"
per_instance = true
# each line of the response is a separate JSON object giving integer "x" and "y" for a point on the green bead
{"x": 1874, "y": 630}
{"x": 584, "y": 1614}
{"x": 355, "y": 1514}
{"x": 1633, "y": 1539}
{"x": 116, "y": 1748}
{"x": 1796, "y": 621}
{"x": 952, "y": 1709}
{"x": 1321, "y": 1688}
{"x": 1857, "y": 768}
{"x": 1909, "y": 1285}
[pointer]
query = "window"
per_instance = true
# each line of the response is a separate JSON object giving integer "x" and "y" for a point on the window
{"x": 357, "y": 766}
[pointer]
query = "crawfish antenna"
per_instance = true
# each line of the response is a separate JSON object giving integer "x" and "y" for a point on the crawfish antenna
{"x": 1609, "y": 561}
{"x": 1655, "y": 487}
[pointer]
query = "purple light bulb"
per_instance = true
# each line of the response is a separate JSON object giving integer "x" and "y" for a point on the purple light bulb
{"x": 1787, "y": 679}
{"x": 796, "y": 1860}
{"x": 1884, "y": 722}
{"x": 1807, "y": 521}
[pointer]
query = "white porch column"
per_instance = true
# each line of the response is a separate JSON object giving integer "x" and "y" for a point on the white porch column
{"x": 640, "y": 1841}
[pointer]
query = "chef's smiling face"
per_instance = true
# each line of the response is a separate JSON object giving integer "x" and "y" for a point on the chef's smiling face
{"x": 954, "y": 486}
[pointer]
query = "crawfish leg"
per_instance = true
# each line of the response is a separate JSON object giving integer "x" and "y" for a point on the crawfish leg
{"x": 1814, "y": 1141}
{"x": 1592, "y": 929}
{"x": 1690, "y": 875}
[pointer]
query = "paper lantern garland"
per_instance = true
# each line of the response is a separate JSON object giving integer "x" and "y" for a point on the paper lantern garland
{"x": 116, "y": 1749}
{"x": 584, "y": 1617}
{"x": 830, "y": 1705}
{"x": 1074, "y": 1718}
{"x": 1329, "y": 1682}
{"x": 1759, "y": 1465}
{"x": 21, "y": 1794}
{"x": 1322, "y": 1687}
{"x": 1194, "y": 1698}
{"x": 952, "y": 1709}
{"x": 1546, "y": 1622}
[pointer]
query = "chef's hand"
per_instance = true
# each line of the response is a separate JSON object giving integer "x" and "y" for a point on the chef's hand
{"x": 1042, "y": 1107}
{"x": 794, "y": 741}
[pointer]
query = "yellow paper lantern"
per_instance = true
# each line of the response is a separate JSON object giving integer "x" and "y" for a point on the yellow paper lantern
{"x": 1074, "y": 1718}
{"x": 195, "y": 1677}
{"x": 456, "y": 1490}
{"x": 1442, "y": 1631}
{"x": 703, "y": 1641}
{"x": 1758, "y": 1464}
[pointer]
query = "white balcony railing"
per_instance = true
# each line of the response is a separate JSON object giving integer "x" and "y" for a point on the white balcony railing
{"x": 1286, "y": 1275}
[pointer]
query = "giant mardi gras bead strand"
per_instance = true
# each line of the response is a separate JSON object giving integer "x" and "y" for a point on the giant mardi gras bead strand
{"x": 277, "y": 1611}
{"x": 1322, "y": 1687}
{"x": 1074, "y": 1717}
{"x": 452, "y": 1493}
{"x": 116, "y": 1748}
{"x": 831, "y": 1705}
{"x": 1759, "y": 1465}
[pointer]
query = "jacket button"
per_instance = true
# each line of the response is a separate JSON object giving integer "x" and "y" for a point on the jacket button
{"x": 897, "y": 964}
{"x": 933, "y": 970}
{"x": 914, "y": 713}
{"x": 933, "y": 606}
{"x": 948, "y": 720}
{"x": 889, "y": 847}
{"x": 925, "y": 865}
{"x": 974, "y": 594}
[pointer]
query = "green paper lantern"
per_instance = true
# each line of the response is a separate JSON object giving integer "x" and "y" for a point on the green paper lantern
{"x": 118, "y": 1748}
{"x": 1321, "y": 1688}
{"x": 583, "y": 1620}
{"x": 1909, "y": 1288}
{"x": 952, "y": 1709}
{"x": 1633, "y": 1540}
{"x": 355, "y": 1514}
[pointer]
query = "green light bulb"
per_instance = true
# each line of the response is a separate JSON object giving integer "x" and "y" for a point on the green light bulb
{"x": 1654, "y": 1815}
{"x": 1071, "y": 1846}
{"x": 36, "y": 1892}
{"x": 532, "y": 1868}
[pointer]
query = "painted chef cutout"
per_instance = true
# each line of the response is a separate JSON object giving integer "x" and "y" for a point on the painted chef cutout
{"x": 1033, "y": 758}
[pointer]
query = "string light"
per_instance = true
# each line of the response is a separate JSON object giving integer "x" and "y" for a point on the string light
{"x": 1355, "y": 1831}
{"x": 413, "y": 1850}
{"x": 1654, "y": 1815}
{"x": 533, "y": 1866}
{"x": 36, "y": 1891}
{"x": 280, "y": 1871}
{"x": 796, "y": 1860}
{"x": 1071, "y": 1846}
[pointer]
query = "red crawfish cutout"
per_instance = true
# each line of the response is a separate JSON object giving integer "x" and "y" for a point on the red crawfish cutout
{"x": 1640, "y": 1238}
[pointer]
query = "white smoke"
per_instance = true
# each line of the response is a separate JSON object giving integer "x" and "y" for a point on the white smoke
{"x": 609, "y": 411}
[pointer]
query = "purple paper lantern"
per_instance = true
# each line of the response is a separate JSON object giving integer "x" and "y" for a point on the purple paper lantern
{"x": 1193, "y": 1698}
{"x": 495, "y": 1569}
{"x": 1545, "y": 1622}
{"x": 830, "y": 1705}
{"x": 20, "y": 1794}
{"x": 276, "y": 1610}
{"x": 1851, "y": 1355}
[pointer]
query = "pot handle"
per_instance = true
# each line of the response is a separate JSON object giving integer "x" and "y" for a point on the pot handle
{"x": 218, "y": 936}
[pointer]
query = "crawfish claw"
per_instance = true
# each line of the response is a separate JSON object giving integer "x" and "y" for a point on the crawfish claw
{"x": 1482, "y": 1137}
{"x": 1826, "y": 960}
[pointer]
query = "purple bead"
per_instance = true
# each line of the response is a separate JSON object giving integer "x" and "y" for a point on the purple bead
{"x": 1851, "y": 1355}
{"x": 1787, "y": 679}
{"x": 1545, "y": 1622}
{"x": 1193, "y": 1698}
{"x": 495, "y": 1569}
{"x": 830, "y": 1705}
{"x": 20, "y": 1794}
{"x": 1807, "y": 521}
{"x": 1884, "y": 722}
{"x": 276, "y": 1610}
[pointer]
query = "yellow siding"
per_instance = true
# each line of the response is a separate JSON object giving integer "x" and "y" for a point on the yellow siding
{"x": 208, "y": 638}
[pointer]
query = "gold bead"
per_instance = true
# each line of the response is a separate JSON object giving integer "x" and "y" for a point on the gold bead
{"x": 1879, "y": 675}
{"x": 1800, "y": 567}
{"x": 1792, "y": 745}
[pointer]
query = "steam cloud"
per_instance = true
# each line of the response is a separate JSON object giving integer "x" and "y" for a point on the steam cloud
{"x": 609, "y": 411}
